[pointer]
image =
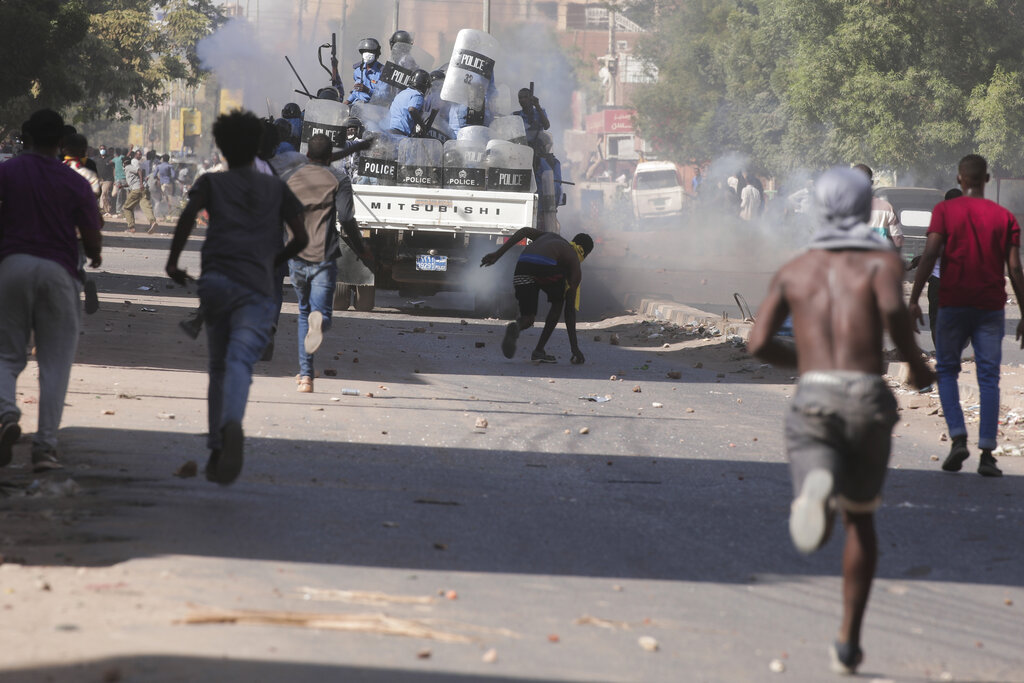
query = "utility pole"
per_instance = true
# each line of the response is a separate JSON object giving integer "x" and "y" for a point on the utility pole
{"x": 487, "y": 16}
{"x": 344, "y": 21}
{"x": 613, "y": 61}
{"x": 395, "y": 27}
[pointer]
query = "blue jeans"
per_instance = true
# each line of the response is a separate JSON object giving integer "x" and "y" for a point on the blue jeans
{"x": 314, "y": 288}
{"x": 238, "y": 321}
{"x": 985, "y": 330}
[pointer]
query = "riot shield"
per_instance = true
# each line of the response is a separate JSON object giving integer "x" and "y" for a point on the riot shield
{"x": 419, "y": 162}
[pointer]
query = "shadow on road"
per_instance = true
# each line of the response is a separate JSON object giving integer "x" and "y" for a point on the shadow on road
{"x": 469, "y": 510}
{"x": 209, "y": 669}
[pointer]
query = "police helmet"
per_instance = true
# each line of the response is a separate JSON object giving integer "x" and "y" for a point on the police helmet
{"x": 420, "y": 80}
{"x": 291, "y": 111}
{"x": 353, "y": 122}
{"x": 436, "y": 75}
{"x": 368, "y": 45}
{"x": 400, "y": 37}
{"x": 327, "y": 93}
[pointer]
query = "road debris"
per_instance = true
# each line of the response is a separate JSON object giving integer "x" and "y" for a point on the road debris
{"x": 363, "y": 597}
{"x": 147, "y": 310}
{"x": 637, "y": 389}
{"x": 553, "y": 638}
{"x": 330, "y": 372}
{"x": 614, "y": 340}
{"x": 349, "y": 392}
{"x": 481, "y": 423}
{"x": 165, "y": 416}
{"x": 776, "y": 666}
{"x": 424, "y": 653}
{"x": 655, "y": 404}
{"x": 648, "y": 643}
{"x": 106, "y": 411}
{"x": 490, "y": 657}
{"x": 674, "y": 374}
{"x": 584, "y": 430}
{"x": 480, "y": 345}
{"x": 53, "y": 489}
{"x": 594, "y": 398}
{"x": 187, "y": 470}
{"x": 378, "y": 623}
{"x": 587, "y": 620}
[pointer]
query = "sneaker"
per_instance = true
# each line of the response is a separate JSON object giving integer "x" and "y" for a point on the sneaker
{"x": 508, "y": 344}
{"x": 10, "y": 432}
{"x": 305, "y": 385}
{"x": 152, "y": 228}
{"x": 810, "y": 515}
{"x": 229, "y": 460}
{"x": 192, "y": 325}
{"x": 845, "y": 659}
{"x": 314, "y": 335}
{"x": 987, "y": 467}
{"x": 957, "y": 454}
{"x": 211, "y": 465}
{"x": 45, "y": 460}
{"x": 92, "y": 300}
{"x": 541, "y": 357}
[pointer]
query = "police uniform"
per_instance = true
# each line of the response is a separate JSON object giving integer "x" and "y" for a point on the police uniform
{"x": 369, "y": 76}
{"x": 401, "y": 120}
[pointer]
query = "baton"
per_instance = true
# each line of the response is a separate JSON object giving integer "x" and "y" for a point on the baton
{"x": 305, "y": 90}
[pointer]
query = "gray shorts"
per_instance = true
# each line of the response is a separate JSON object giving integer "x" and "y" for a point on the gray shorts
{"x": 842, "y": 421}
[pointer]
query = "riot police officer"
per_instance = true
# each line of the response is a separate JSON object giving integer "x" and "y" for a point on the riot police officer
{"x": 366, "y": 72}
{"x": 399, "y": 36}
{"x": 407, "y": 108}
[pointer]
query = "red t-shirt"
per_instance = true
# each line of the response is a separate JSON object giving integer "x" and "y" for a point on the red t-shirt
{"x": 979, "y": 235}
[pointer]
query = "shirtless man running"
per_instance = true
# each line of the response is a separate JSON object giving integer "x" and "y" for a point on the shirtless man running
{"x": 842, "y": 293}
{"x": 549, "y": 264}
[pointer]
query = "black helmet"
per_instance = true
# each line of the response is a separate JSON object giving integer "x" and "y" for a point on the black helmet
{"x": 291, "y": 111}
{"x": 436, "y": 75}
{"x": 353, "y": 122}
{"x": 400, "y": 37}
{"x": 327, "y": 93}
{"x": 368, "y": 45}
{"x": 420, "y": 80}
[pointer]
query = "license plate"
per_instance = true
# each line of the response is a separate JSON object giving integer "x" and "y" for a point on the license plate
{"x": 428, "y": 262}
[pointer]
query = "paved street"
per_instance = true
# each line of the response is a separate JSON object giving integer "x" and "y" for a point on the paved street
{"x": 400, "y": 538}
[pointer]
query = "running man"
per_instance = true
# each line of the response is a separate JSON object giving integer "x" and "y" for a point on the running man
{"x": 552, "y": 265}
{"x": 242, "y": 249}
{"x": 843, "y": 293}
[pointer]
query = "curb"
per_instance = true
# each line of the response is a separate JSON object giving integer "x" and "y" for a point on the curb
{"x": 681, "y": 314}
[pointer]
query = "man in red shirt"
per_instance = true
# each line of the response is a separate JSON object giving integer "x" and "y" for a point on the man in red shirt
{"x": 979, "y": 241}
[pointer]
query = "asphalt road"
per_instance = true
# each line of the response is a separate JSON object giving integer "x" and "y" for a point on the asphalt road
{"x": 556, "y": 549}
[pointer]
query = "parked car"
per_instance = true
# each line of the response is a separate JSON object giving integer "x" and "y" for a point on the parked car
{"x": 657, "y": 190}
{"x": 913, "y": 206}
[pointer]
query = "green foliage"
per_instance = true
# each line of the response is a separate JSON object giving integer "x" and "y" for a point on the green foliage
{"x": 97, "y": 58}
{"x": 898, "y": 84}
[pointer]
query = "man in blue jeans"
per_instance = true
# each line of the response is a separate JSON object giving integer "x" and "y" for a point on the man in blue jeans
{"x": 236, "y": 289}
{"x": 326, "y": 197}
{"x": 979, "y": 242}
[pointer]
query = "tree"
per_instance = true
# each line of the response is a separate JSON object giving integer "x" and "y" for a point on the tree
{"x": 97, "y": 58}
{"x": 897, "y": 84}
